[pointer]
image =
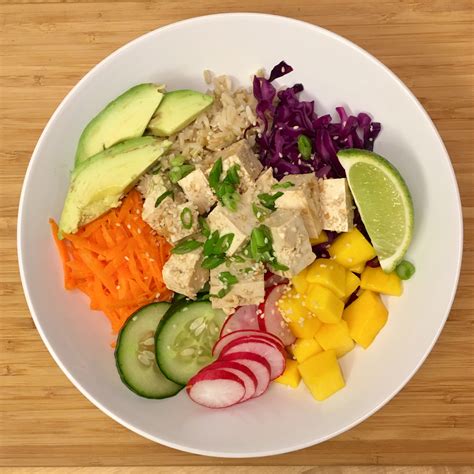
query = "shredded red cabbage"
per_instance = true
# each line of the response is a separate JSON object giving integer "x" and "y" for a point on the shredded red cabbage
{"x": 285, "y": 117}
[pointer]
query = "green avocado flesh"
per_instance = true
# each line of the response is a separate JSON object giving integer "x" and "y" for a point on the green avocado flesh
{"x": 177, "y": 110}
{"x": 99, "y": 183}
{"x": 124, "y": 118}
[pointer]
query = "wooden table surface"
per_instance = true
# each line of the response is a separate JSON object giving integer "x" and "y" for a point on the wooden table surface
{"x": 46, "y": 47}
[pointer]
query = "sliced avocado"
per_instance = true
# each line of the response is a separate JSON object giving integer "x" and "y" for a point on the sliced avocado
{"x": 124, "y": 118}
{"x": 177, "y": 110}
{"x": 99, "y": 183}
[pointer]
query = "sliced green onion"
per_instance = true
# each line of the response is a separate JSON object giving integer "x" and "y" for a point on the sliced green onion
{"x": 231, "y": 201}
{"x": 186, "y": 217}
{"x": 224, "y": 243}
{"x": 259, "y": 236}
{"x": 268, "y": 200}
{"x": 186, "y": 246}
{"x": 215, "y": 174}
{"x": 186, "y": 169}
{"x": 162, "y": 197}
{"x": 212, "y": 261}
{"x": 279, "y": 266}
{"x": 232, "y": 176}
{"x": 238, "y": 259}
{"x": 260, "y": 213}
{"x": 174, "y": 174}
{"x": 178, "y": 160}
{"x": 405, "y": 270}
{"x": 305, "y": 147}
{"x": 205, "y": 229}
{"x": 285, "y": 185}
{"x": 228, "y": 278}
{"x": 210, "y": 244}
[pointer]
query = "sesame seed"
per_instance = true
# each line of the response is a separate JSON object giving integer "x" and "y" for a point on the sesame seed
{"x": 117, "y": 224}
{"x": 118, "y": 287}
{"x": 126, "y": 258}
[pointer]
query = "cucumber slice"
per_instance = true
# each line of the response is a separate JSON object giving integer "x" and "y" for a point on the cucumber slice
{"x": 135, "y": 355}
{"x": 185, "y": 337}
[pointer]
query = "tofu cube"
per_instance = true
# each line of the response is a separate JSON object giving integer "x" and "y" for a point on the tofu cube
{"x": 335, "y": 336}
{"x": 330, "y": 274}
{"x": 377, "y": 280}
{"x": 151, "y": 187}
{"x": 197, "y": 190}
{"x": 305, "y": 348}
{"x": 302, "y": 197}
{"x": 337, "y": 209}
{"x": 291, "y": 376}
{"x": 322, "y": 375}
{"x": 351, "y": 249}
{"x": 291, "y": 245}
{"x": 324, "y": 304}
{"x": 184, "y": 274}
{"x": 249, "y": 288}
{"x": 265, "y": 182}
{"x": 243, "y": 155}
{"x": 365, "y": 317}
{"x": 240, "y": 223}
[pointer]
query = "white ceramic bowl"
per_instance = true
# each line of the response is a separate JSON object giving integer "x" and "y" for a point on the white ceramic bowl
{"x": 334, "y": 71}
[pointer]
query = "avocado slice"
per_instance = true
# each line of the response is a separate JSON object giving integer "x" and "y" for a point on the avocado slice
{"x": 99, "y": 183}
{"x": 124, "y": 118}
{"x": 177, "y": 110}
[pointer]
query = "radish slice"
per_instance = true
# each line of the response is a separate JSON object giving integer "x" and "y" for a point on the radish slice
{"x": 263, "y": 348}
{"x": 257, "y": 364}
{"x": 242, "y": 371}
{"x": 273, "y": 320}
{"x": 245, "y": 317}
{"x": 216, "y": 388}
{"x": 223, "y": 341}
{"x": 272, "y": 280}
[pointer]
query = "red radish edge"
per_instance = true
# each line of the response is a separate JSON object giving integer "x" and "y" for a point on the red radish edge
{"x": 243, "y": 333}
{"x": 244, "y": 317}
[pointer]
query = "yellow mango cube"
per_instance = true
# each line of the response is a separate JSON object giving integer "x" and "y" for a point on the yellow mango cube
{"x": 324, "y": 304}
{"x": 304, "y": 348}
{"x": 305, "y": 328}
{"x": 320, "y": 239}
{"x": 358, "y": 268}
{"x": 375, "y": 279}
{"x": 352, "y": 283}
{"x": 328, "y": 273}
{"x": 335, "y": 336}
{"x": 300, "y": 283}
{"x": 291, "y": 376}
{"x": 293, "y": 307}
{"x": 322, "y": 375}
{"x": 351, "y": 249}
{"x": 365, "y": 317}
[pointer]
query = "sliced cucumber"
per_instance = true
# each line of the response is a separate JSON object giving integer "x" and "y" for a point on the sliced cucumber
{"x": 135, "y": 354}
{"x": 185, "y": 337}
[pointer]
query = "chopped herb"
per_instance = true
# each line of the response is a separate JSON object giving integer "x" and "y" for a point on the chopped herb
{"x": 305, "y": 147}
{"x": 205, "y": 230}
{"x": 232, "y": 176}
{"x": 279, "y": 266}
{"x": 179, "y": 172}
{"x": 210, "y": 244}
{"x": 238, "y": 259}
{"x": 178, "y": 160}
{"x": 227, "y": 278}
{"x": 163, "y": 196}
{"x": 405, "y": 270}
{"x": 285, "y": 185}
{"x": 222, "y": 292}
{"x": 231, "y": 201}
{"x": 212, "y": 261}
{"x": 224, "y": 243}
{"x": 268, "y": 200}
{"x": 259, "y": 212}
{"x": 186, "y": 217}
{"x": 156, "y": 169}
{"x": 186, "y": 246}
{"x": 248, "y": 269}
{"x": 215, "y": 174}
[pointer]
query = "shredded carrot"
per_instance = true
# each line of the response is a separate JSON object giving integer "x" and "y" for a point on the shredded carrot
{"x": 116, "y": 260}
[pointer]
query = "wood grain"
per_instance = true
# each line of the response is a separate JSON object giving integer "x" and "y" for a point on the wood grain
{"x": 46, "y": 47}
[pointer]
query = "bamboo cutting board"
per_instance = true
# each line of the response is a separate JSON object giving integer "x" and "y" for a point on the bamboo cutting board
{"x": 46, "y": 47}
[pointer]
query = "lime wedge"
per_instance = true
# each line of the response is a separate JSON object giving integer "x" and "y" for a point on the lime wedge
{"x": 384, "y": 203}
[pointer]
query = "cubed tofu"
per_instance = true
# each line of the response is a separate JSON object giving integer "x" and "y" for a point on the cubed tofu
{"x": 151, "y": 187}
{"x": 166, "y": 220}
{"x": 366, "y": 316}
{"x": 337, "y": 209}
{"x": 197, "y": 190}
{"x": 240, "y": 223}
{"x": 249, "y": 289}
{"x": 265, "y": 182}
{"x": 322, "y": 375}
{"x": 376, "y": 279}
{"x": 291, "y": 245}
{"x": 300, "y": 197}
{"x": 241, "y": 154}
{"x": 305, "y": 348}
{"x": 328, "y": 273}
{"x": 291, "y": 376}
{"x": 184, "y": 274}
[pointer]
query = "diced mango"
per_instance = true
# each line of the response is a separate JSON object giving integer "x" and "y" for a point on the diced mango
{"x": 322, "y": 375}
{"x": 304, "y": 348}
{"x": 300, "y": 283}
{"x": 324, "y": 304}
{"x": 320, "y": 239}
{"x": 328, "y": 273}
{"x": 351, "y": 249}
{"x": 335, "y": 336}
{"x": 291, "y": 376}
{"x": 352, "y": 283}
{"x": 375, "y": 279}
{"x": 358, "y": 268}
{"x": 366, "y": 316}
{"x": 293, "y": 307}
{"x": 306, "y": 328}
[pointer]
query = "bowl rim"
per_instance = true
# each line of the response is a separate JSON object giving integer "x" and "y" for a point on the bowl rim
{"x": 110, "y": 57}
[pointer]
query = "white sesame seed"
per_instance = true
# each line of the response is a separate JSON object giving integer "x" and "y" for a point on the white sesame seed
{"x": 118, "y": 287}
{"x": 126, "y": 258}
